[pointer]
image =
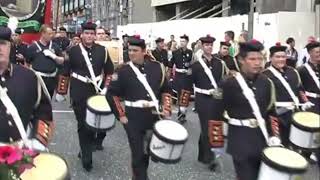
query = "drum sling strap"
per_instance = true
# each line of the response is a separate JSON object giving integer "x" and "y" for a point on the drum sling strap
{"x": 146, "y": 85}
{"x": 208, "y": 73}
{"x": 249, "y": 95}
{"x": 313, "y": 74}
{"x": 11, "y": 108}
{"x": 90, "y": 68}
{"x": 285, "y": 84}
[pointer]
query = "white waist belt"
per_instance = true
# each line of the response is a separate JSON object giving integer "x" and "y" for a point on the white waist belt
{"x": 288, "y": 105}
{"x": 252, "y": 123}
{"x": 85, "y": 79}
{"x": 204, "y": 91}
{"x": 47, "y": 74}
{"x": 181, "y": 70}
{"x": 140, "y": 104}
{"x": 313, "y": 95}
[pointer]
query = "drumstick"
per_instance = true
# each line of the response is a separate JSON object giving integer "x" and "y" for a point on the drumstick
{"x": 94, "y": 83}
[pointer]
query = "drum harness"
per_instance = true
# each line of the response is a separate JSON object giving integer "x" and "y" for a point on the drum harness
{"x": 249, "y": 95}
{"x": 286, "y": 105}
{"x": 215, "y": 90}
{"x": 95, "y": 80}
{"x": 315, "y": 79}
{"x": 41, "y": 73}
{"x": 146, "y": 85}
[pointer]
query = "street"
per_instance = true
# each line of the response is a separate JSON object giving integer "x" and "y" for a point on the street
{"x": 113, "y": 163}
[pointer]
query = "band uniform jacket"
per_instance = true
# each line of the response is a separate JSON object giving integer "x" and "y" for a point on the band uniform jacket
{"x": 18, "y": 49}
{"x": 230, "y": 61}
{"x": 291, "y": 76}
{"x": 182, "y": 60}
{"x": 102, "y": 65}
{"x": 26, "y": 93}
{"x": 201, "y": 80}
{"x": 245, "y": 141}
{"x": 310, "y": 86}
{"x": 125, "y": 85}
{"x": 39, "y": 61}
{"x": 161, "y": 56}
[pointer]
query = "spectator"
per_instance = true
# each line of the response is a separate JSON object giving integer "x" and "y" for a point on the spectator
{"x": 292, "y": 53}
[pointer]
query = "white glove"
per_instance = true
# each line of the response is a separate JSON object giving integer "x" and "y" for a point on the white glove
{"x": 104, "y": 91}
{"x": 306, "y": 106}
{"x": 183, "y": 110}
{"x": 36, "y": 145}
{"x": 274, "y": 141}
{"x": 49, "y": 54}
{"x": 60, "y": 98}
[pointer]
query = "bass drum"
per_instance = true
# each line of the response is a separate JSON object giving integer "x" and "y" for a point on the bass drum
{"x": 47, "y": 167}
{"x": 305, "y": 131}
{"x": 281, "y": 164}
{"x": 167, "y": 142}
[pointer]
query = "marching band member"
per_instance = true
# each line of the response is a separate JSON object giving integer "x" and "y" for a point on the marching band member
{"x": 90, "y": 69}
{"x": 182, "y": 58}
{"x": 160, "y": 53}
{"x": 310, "y": 78}
{"x": 142, "y": 84}
{"x": 22, "y": 108}
{"x": 249, "y": 99}
{"x": 223, "y": 54}
{"x": 19, "y": 48}
{"x": 289, "y": 90}
{"x": 44, "y": 57}
{"x": 207, "y": 74}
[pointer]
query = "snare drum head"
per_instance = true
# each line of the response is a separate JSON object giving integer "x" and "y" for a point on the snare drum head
{"x": 284, "y": 159}
{"x": 171, "y": 130}
{"x": 47, "y": 166}
{"x": 307, "y": 119}
{"x": 98, "y": 103}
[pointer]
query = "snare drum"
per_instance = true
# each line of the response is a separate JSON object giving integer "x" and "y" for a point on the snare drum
{"x": 167, "y": 142}
{"x": 99, "y": 116}
{"x": 47, "y": 166}
{"x": 281, "y": 164}
{"x": 305, "y": 130}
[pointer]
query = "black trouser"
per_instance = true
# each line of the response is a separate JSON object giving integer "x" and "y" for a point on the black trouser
{"x": 208, "y": 109}
{"x": 51, "y": 83}
{"x": 247, "y": 168}
{"x": 86, "y": 136}
{"x": 284, "y": 126}
{"x": 100, "y": 137}
{"x": 139, "y": 143}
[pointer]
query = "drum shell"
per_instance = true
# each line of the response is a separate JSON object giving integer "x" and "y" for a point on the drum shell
{"x": 268, "y": 173}
{"x": 66, "y": 176}
{"x": 304, "y": 138}
{"x": 164, "y": 150}
{"x": 99, "y": 121}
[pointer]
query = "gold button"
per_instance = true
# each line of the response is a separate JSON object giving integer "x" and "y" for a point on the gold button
{"x": 10, "y": 123}
{"x": 10, "y": 139}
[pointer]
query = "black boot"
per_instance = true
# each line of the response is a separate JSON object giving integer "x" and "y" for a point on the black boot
{"x": 182, "y": 118}
{"x": 86, "y": 164}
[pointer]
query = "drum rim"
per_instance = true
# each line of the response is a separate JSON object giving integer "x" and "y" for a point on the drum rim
{"x": 305, "y": 128}
{"x": 170, "y": 141}
{"x": 303, "y": 148}
{"x": 302, "y": 127}
{"x": 68, "y": 175}
{"x": 282, "y": 168}
{"x": 162, "y": 160}
{"x": 100, "y": 130}
{"x": 91, "y": 109}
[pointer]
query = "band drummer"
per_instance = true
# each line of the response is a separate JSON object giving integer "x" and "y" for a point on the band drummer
{"x": 142, "y": 84}
{"x": 90, "y": 69}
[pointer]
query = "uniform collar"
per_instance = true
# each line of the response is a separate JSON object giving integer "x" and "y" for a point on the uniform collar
{"x": 314, "y": 67}
{"x": 8, "y": 72}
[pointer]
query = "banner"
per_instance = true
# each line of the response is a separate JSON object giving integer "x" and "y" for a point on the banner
{"x": 30, "y": 13}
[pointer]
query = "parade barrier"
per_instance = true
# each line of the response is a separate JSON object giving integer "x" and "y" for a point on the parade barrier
{"x": 268, "y": 28}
